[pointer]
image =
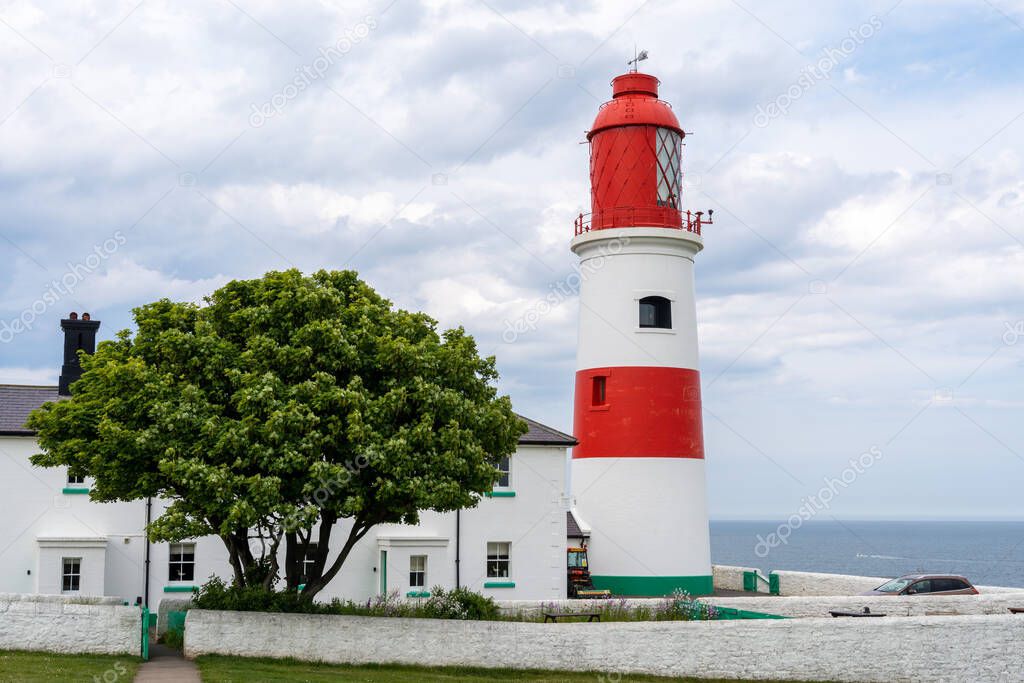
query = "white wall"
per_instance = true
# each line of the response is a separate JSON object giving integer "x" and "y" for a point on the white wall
{"x": 914, "y": 648}
{"x": 109, "y": 537}
{"x": 730, "y": 578}
{"x": 68, "y": 625}
{"x": 814, "y": 583}
{"x": 35, "y": 507}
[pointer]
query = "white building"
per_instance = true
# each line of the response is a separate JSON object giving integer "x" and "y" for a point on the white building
{"x": 54, "y": 539}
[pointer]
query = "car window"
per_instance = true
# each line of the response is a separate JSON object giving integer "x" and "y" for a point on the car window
{"x": 919, "y": 587}
{"x": 894, "y": 586}
{"x": 939, "y": 585}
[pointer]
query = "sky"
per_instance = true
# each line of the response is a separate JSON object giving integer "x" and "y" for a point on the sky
{"x": 859, "y": 295}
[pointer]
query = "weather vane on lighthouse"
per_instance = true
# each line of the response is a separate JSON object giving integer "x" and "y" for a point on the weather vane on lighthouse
{"x": 637, "y": 58}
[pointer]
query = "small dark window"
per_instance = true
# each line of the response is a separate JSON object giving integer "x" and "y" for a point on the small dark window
{"x": 600, "y": 387}
{"x": 656, "y": 311}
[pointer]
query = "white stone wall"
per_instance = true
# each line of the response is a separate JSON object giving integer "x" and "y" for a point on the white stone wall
{"x": 814, "y": 583}
{"x": 807, "y": 606}
{"x": 817, "y": 583}
{"x": 54, "y": 623}
{"x": 909, "y": 649}
{"x": 727, "y": 577}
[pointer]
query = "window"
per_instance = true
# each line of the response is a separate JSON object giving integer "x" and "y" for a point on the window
{"x": 503, "y": 469}
{"x": 669, "y": 147}
{"x": 182, "y": 566}
{"x": 498, "y": 560}
{"x": 308, "y": 561}
{"x": 656, "y": 311}
{"x": 75, "y": 479}
{"x": 71, "y": 574}
{"x": 599, "y": 391}
{"x": 417, "y": 571}
{"x": 920, "y": 587}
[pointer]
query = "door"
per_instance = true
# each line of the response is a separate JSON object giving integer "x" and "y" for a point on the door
{"x": 383, "y": 572}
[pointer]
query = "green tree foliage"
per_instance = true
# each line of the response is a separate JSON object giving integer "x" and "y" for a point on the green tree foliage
{"x": 287, "y": 409}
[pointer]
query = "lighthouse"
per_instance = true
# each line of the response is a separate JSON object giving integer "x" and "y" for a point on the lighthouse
{"x": 638, "y": 472}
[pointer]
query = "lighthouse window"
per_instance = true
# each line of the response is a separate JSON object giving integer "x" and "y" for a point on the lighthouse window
{"x": 656, "y": 311}
{"x": 600, "y": 387}
{"x": 669, "y": 148}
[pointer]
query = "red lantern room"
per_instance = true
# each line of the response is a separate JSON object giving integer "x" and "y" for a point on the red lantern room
{"x": 636, "y": 146}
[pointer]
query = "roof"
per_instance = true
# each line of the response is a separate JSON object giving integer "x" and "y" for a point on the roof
{"x": 542, "y": 435}
{"x": 16, "y": 402}
{"x": 573, "y": 528}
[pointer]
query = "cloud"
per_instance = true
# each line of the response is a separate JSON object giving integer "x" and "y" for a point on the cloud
{"x": 866, "y": 249}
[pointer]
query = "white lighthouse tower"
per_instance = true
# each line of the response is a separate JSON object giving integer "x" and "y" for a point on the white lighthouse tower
{"x": 638, "y": 472}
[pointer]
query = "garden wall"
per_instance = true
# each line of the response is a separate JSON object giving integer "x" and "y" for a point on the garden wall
{"x": 803, "y": 606}
{"x": 986, "y": 647}
{"x": 727, "y": 577}
{"x": 55, "y": 623}
{"x": 817, "y": 583}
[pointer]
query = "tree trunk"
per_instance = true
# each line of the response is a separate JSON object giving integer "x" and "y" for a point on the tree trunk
{"x": 322, "y": 578}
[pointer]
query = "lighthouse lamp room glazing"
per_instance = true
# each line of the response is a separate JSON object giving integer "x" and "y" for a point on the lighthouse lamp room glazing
{"x": 638, "y": 471}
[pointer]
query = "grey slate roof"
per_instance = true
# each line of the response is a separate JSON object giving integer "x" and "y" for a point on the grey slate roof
{"x": 17, "y": 401}
{"x": 572, "y": 527}
{"x": 542, "y": 435}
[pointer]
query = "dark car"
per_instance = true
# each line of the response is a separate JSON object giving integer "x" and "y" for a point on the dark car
{"x": 926, "y": 584}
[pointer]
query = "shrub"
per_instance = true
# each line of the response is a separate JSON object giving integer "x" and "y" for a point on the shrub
{"x": 459, "y": 603}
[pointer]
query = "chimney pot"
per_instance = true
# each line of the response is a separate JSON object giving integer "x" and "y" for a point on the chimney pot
{"x": 86, "y": 316}
{"x": 73, "y": 316}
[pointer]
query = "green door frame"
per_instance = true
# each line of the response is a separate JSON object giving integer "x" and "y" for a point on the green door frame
{"x": 383, "y": 572}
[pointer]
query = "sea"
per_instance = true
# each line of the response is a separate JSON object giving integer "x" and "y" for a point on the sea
{"x": 987, "y": 553}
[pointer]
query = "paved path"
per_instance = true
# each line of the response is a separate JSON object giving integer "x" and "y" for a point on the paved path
{"x": 167, "y": 665}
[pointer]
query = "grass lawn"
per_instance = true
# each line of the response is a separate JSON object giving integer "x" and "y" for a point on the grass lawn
{"x": 44, "y": 667}
{"x": 217, "y": 669}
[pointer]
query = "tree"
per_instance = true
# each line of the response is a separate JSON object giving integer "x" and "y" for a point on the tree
{"x": 287, "y": 409}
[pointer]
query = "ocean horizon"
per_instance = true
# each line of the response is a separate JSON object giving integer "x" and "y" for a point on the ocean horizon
{"x": 986, "y": 552}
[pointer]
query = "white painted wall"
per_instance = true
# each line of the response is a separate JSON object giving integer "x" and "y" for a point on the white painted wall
{"x": 36, "y": 508}
{"x": 109, "y": 537}
{"x": 68, "y": 625}
{"x": 913, "y": 648}
{"x": 619, "y": 267}
{"x": 648, "y": 516}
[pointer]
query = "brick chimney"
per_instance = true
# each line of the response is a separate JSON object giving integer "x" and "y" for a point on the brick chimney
{"x": 79, "y": 335}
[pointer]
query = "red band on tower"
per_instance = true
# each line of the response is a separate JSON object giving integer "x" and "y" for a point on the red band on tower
{"x": 638, "y": 412}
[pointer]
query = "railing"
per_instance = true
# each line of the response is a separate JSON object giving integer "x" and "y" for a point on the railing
{"x": 651, "y": 217}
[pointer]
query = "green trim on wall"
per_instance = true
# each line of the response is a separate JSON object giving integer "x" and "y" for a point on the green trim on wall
{"x": 499, "y": 584}
{"x": 75, "y": 491}
{"x": 502, "y": 493}
{"x": 180, "y": 589}
{"x": 654, "y": 585}
{"x": 418, "y": 594}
